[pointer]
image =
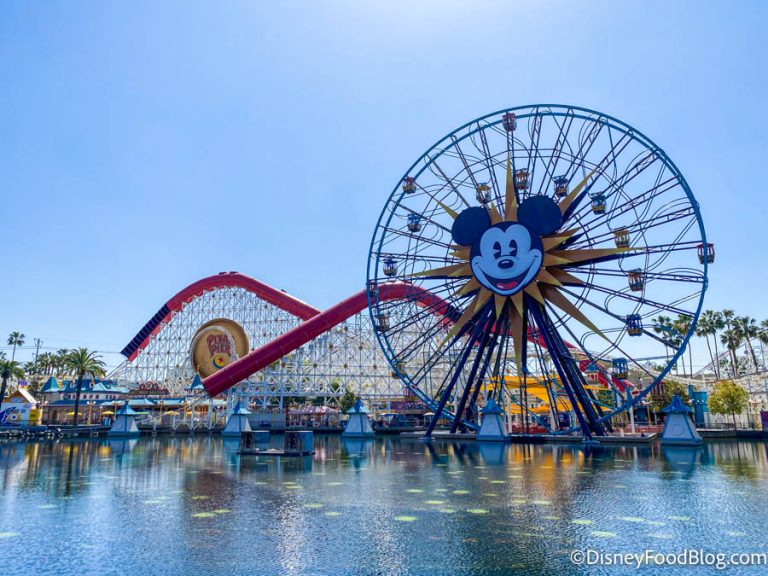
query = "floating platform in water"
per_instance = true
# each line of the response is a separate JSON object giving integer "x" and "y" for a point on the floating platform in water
{"x": 628, "y": 439}
{"x": 297, "y": 443}
{"x": 440, "y": 435}
{"x": 274, "y": 452}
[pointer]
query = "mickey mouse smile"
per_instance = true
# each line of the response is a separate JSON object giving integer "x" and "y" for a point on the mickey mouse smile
{"x": 506, "y": 257}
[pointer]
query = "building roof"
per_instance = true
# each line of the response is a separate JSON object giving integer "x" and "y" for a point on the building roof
{"x": 677, "y": 406}
{"x": 125, "y": 410}
{"x": 23, "y": 393}
{"x": 51, "y": 385}
{"x": 93, "y": 386}
{"x": 197, "y": 383}
{"x": 240, "y": 410}
{"x": 491, "y": 407}
{"x": 358, "y": 408}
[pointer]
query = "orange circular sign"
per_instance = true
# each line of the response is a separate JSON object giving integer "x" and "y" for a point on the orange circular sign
{"x": 216, "y": 344}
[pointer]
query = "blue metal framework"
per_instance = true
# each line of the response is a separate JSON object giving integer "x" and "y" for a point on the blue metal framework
{"x": 637, "y": 255}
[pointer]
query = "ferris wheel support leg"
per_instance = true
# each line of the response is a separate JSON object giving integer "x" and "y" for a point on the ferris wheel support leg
{"x": 569, "y": 374}
{"x": 459, "y": 413}
{"x": 481, "y": 377}
{"x": 457, "y": 371}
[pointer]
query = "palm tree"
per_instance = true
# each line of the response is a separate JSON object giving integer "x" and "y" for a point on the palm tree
{"x": 44, "y": 363}
{"x": 81, "y": 362}
{"x": 708, "y": 326}
{"x": 731, "y": 339}
{"x": 762, "y": 335}
{"x": 662, "y": 325}
{"x": 15, "y": 339}
{"x": 60, "y": 360}
{"x": 718, "y": 324}
{"x": 728, "y": 316}
{"x": 8, "y": 369}
{"x": 746, "y": 327}
{"x": 682, "y": 324}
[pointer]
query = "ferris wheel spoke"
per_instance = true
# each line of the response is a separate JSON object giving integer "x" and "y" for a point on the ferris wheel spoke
{"x": 448, "y": 181}
{"x": 491, "y": 169}
{"x": 418, "y": 318}
{"x": 650, "y": 195}
{"x": 409, "y": 235}
{"x": 588, "y": 257}
{"x": 647, "y": 276}
{"x": 593, "y": 359}
{"x": 619, "y": 185}
{"x": 464, "y": 161}
{"x": 600, "y": 168}
{"x": 533, "y": 152}
{"x": 426, "y": 219}
{"x": 639, "y": 300}
{"x": 585, "y": 146}
{"x": 617, "y": 317}
{"x": 642, "y": 226}
{"x": 560, "y": 142}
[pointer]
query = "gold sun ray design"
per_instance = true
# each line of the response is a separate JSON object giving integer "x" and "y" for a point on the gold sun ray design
{"x": 543, "y": 288}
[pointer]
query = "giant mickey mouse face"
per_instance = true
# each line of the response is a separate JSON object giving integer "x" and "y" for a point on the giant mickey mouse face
{"x": 505, "y": 257}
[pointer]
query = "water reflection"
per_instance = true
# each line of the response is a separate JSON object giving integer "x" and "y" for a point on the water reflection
{"x": 385, "y": 506}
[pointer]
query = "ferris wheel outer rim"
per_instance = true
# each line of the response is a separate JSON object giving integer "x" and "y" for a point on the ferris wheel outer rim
{"x": 397, "y": 194}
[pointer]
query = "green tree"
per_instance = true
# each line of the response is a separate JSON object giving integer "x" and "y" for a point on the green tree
{"x": 8, "y": 369}
{"x": 81, "y": 362}
{"x": 15, "y": 339}
{"x": 728, "y": 398}
{"x": 661, "y": 396}
{"x": 347, "y": 401}
{"x": 293, "y": 401}
{"x": 318, "y": 401}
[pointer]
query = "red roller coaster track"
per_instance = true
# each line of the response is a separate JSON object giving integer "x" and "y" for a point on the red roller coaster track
{"x": 312, "y": 328}
{"x": 314, "y": 322}
{"x": 278, "y": 298}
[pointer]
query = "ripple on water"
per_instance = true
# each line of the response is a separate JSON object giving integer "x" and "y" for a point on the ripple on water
{"x": 412, "y": 516}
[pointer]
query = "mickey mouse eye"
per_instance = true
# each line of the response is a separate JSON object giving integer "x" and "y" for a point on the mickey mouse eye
{"x": 512, "y": 248}
{"x": 497, "y": 249}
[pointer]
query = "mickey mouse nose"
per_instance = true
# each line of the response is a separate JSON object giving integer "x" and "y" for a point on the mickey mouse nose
{"x": 506, "y": 263}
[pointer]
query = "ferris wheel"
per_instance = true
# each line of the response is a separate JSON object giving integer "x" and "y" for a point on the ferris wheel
{"x": 550, "y": 239}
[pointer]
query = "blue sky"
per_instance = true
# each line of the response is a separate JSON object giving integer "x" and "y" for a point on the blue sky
{"x": 144, "y": 145}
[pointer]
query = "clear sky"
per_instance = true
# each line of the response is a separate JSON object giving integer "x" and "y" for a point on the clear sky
{"x": 144, "y": 145}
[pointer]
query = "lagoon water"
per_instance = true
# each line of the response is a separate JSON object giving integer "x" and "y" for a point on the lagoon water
{"x": 191, "y": 506}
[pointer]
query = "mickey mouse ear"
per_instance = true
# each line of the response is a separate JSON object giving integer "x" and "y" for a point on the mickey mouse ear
{"x": 540, "y": 213}
{"x": 470, "y": 225}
